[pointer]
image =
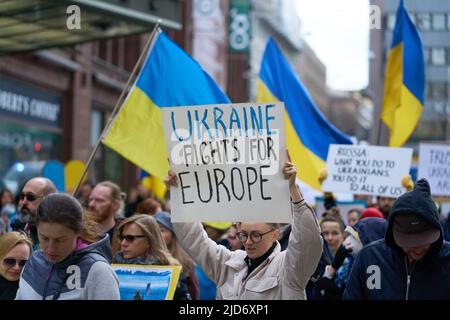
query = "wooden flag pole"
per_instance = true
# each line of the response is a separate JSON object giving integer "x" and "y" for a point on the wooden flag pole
{"x": 118, "y": 105}
{"x": 380, "y": 125}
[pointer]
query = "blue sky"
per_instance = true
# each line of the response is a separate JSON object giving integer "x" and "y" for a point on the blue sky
{"x": 338, "y": 31}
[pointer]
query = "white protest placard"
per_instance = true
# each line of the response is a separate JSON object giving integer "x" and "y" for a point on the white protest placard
{"x": 228, "y": 159}
{"x": 434, "y": 165}
{"x": 367, "y": 170}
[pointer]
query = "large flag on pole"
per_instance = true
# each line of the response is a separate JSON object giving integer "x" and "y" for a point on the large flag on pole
{"x": 404, "y": 85}
{"x": 168, "y": 78}
{"x": 308, "y": 133}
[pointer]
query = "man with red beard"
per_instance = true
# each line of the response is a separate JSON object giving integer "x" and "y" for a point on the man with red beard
{"x": 31, "y": 196}
{"x": 106, "y": 204}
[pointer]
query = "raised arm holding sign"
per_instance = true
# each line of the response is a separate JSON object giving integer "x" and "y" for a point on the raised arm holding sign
{"x": 262, "y": 270}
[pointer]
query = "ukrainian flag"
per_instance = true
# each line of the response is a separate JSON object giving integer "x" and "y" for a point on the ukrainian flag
{"x": 404, "y": 86}
{"x": 308, "y": 133}
{"x": 168, "y": 78}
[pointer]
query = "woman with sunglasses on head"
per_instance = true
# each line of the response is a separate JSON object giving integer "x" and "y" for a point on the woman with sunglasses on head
{"x": 15, "y": 249}
{"x": 74, "y": 260}
{"x": 261, "y": 271}
{"x": 142, "y": 243}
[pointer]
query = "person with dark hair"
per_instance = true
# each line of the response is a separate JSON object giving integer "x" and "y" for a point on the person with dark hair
{"x": 333, "y": 232}
{"x": 384, "y": 204}
{"x": 7, "y": 215}
{"x": 261, "y": 271}
{"x": 7, "y": 208}
{"x": 74, "y": 263}
{"x": 334, "y": 277}
{"x": 6, "y": 197}
{"x": 85, "y": 192}
{"x": 412, "y": 261}
{"x": 353, "y": 216}
{"x": 136, "y": 196}
{"x": 33, "y": 192}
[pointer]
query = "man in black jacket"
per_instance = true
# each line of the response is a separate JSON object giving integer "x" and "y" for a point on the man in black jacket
{"x": 412, "y": 261}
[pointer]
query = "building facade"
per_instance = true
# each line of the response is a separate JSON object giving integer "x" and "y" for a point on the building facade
{"x": 54, "y": 103}
{"x": 432, "y": 19}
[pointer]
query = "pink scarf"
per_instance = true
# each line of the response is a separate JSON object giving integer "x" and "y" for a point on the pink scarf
{"x": 80, "y": 245}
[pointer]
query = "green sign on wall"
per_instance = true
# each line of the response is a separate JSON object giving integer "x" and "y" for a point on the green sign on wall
{"x": 240, "y": 27}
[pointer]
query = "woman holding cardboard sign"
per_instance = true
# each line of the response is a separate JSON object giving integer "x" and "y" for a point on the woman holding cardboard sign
{"x": 141, "y": 242}
{"x": 261, "y": 271}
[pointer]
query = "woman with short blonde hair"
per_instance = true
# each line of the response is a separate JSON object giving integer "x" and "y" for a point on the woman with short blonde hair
{"x": 15, "y": 249}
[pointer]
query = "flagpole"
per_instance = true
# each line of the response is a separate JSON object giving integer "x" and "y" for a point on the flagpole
{"x": 380, "y": 124}
{"x": 118, "y": 105}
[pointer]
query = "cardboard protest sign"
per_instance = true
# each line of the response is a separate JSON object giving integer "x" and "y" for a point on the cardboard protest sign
{"x": 434, "y": 165}
{"x": 367, "y": 170}
{"x": 147, "y": 282}
{"x": 228, "y": 159}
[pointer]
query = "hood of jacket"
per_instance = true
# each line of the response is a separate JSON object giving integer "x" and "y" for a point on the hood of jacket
{"x": 371, "y": 229}
{"x": 419, "y": 202}
{"x": 101, "y": 247}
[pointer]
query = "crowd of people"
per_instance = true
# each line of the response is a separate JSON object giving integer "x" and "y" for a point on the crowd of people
{"x": 57, "y": 246}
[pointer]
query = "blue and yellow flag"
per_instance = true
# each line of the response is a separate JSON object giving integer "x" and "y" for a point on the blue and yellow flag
{"x": 404, "y": 85}
{"x": 308, "y": 133}
{"x": 168, "y": 78}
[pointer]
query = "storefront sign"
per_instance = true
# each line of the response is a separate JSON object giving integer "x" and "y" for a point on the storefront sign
{"x": 19, "y": 100}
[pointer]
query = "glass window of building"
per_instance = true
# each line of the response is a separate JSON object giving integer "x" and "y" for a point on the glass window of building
{"x": 30, "y": 131}
{"x": 438, "y": 21}
{"x": 390, "y": 21}
{"x": 448, "y": 21}
{"x": 438, "y": 56}
{"x": 429, "y": 130}
{"x": 448, "y": 57}
{"x": 427, "y": 90}
{"x": 439, "y": 91}
{"x": 424, "y": 21}
{"x": 96, "y": 126}
{"x": 426, "y": 53}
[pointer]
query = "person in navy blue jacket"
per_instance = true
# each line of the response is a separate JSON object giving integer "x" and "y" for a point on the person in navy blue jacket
{"x": 412, "y": 261}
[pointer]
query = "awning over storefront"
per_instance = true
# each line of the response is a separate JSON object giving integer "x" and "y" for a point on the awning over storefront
{"x": 28, "y": 25}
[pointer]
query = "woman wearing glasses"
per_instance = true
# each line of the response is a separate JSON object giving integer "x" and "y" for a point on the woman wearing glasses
{"x": 261, "y": 271}
{"x": 141, "y": 242}
{"x": 74, "y": 260}
{"x": 15, "y": 249}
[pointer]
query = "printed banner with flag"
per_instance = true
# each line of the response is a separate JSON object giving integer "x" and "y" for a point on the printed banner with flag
{"x": 168, "y": 78}
{"x": 404, "y": 85}
{"x": 308, "y": 133}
